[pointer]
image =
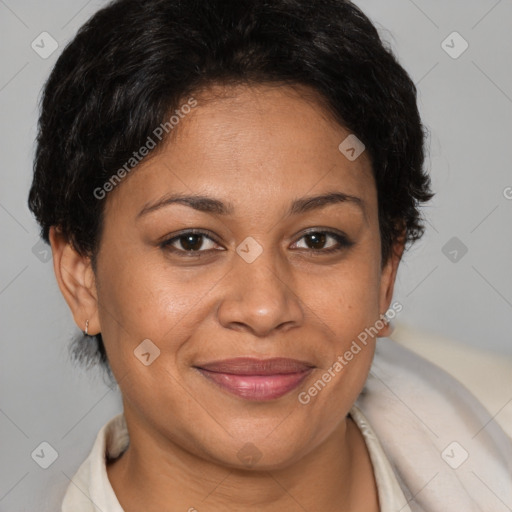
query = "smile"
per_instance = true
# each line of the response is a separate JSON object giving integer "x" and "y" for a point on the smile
{"x": 257, "y": 379}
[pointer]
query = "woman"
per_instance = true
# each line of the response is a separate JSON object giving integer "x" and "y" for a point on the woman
{"x": 228, "y": 188}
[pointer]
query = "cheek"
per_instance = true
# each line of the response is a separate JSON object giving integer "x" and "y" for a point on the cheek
{"x": 345, "y": 299}
{"x": 142, "y": 299}
{"x": 130, "y": 303}
{"x": 346, "y": 309}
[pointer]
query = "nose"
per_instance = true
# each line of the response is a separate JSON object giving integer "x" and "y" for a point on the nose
{"x": 260, "y": 297}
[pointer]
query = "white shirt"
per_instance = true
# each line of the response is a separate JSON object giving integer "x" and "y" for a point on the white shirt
{"x": 433, "y": 446}
{"x": 90, "y": 486}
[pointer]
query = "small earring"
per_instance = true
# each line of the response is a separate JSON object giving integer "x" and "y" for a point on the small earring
{"x": 86, "y": 332}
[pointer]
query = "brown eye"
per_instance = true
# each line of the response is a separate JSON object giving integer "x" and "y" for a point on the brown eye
{"x": 316, "y": 241}
{"x": 190, "y": 243}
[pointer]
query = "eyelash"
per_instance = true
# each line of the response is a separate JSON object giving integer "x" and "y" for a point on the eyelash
{"x": 343, "y": 243}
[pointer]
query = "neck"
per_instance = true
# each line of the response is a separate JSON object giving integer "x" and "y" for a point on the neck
{"x": 336, "y": 476}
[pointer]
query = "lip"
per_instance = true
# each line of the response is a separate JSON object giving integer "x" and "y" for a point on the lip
{"x": 257, "y": 379}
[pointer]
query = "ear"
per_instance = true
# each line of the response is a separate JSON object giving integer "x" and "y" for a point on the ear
{"x": 76, "y": 281}
{"x": 387, "y": 282}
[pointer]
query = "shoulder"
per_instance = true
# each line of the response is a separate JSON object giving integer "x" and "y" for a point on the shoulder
{"x": 90, "y": 488}
{"x": 436, "y": 434}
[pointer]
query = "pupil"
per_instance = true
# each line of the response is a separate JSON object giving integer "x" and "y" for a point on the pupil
{"x": 318, "y": 240}
{"x": 194, "y": 242}
{"x": 192, "y": 246}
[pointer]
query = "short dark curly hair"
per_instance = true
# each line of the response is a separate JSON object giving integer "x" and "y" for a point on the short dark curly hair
{"x": 135, "y": 61}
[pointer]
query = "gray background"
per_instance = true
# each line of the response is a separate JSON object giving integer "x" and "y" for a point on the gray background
{"x": 466, "y": 103}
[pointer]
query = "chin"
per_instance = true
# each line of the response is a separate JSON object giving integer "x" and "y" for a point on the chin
{"x": 262, "y": 453}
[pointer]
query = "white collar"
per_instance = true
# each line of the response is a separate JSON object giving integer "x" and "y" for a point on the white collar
{"x": 90, "y": 489}
{"x": 417, "y": 413}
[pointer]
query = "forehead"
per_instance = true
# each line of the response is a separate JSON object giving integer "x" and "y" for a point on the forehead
{"x": 250, "y": 143}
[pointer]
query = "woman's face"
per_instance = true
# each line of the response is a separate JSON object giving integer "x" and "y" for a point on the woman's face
{"x": 253, "y": 284}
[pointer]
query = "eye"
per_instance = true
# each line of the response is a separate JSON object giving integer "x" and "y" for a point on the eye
{"x": 189, "y": 243}
{"x": 315, "y": 240}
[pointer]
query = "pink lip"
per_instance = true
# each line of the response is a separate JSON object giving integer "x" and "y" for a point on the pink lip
{"x": 257, "y": 379}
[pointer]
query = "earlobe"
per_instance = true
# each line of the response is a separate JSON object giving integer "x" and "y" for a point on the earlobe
{"x": 76, "y": 281}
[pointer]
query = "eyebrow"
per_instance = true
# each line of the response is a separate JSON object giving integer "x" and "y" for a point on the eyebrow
{"x": 210, "y": 205}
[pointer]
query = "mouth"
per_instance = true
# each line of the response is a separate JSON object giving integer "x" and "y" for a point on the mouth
{"x": 257, "y": 379}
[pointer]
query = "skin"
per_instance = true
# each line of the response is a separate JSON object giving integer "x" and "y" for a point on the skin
{"x": 258, "y": 148}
